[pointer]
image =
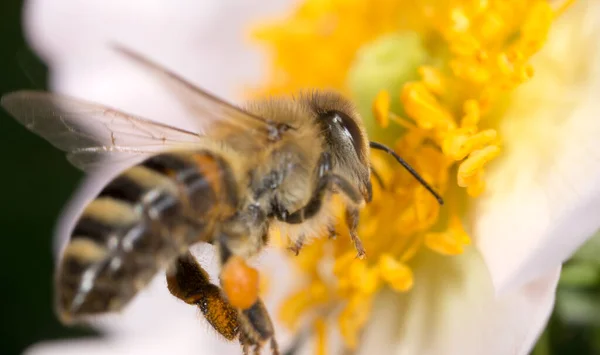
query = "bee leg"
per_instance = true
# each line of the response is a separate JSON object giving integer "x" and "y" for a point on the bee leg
{"x": 314, "y": 204}
{"x": 298, "y": 243}
{"x": 324, "y": 183}
{"x": 377, "y": 177}
{"x": 240, "y": 284}
{"x": 332, "y": 234}
{"x": 188, "y": 281}
{"x": 352, "y": 217}
{"x": 257, "y": 327}
{"x": 245, "y": 343}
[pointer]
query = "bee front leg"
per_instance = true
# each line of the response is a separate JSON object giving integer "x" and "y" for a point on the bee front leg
{"x": 352, "y": 218}
{"x": 298, "y": 244}
{"x": 332, "y": 233}
{"x": 256, "y": 328}
{"x": 326, "y": 180}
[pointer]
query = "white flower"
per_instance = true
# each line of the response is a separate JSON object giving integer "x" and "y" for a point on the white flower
{"x": 542, "y": 200}
{"x": 542, "y": 203}
{"x": 550, "y": 170}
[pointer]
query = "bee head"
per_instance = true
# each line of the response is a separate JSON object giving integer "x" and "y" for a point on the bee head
{"x": 345, "y": 136}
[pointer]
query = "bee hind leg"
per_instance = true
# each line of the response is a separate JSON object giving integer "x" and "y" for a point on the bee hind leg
{"x": 256, "y": 328}
{"x": 240, "y": 285}
{"x": 188, "y": 281}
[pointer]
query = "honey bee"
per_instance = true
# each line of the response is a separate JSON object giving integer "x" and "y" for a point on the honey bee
{"x": 276, "y": 162}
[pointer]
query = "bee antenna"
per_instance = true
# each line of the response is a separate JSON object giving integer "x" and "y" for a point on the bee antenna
{"x": 409, "y": 168}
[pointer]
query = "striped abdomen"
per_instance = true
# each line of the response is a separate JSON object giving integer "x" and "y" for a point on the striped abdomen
{"x": 137, "y": 224}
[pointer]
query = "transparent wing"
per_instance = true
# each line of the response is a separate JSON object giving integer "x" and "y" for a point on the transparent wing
{"x": 221, "y": 120}
{"x": 93, "y": 135}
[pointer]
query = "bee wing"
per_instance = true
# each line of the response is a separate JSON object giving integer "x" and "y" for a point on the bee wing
{"x": 93, "y": 135}
{"x": 222, "y": 121}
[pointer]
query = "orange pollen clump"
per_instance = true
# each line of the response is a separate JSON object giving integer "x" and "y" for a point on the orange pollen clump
{"x": 240, "y": 283}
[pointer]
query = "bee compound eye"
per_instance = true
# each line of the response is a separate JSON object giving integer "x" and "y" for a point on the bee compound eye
{"x": 347, "y": 128}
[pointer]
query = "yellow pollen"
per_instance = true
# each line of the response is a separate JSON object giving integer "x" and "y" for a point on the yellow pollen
{"x": 445, "y": 107}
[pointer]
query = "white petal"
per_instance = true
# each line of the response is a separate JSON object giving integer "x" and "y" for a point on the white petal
{"x": 543, "y": 196}
{"x": 155, "y": 322}
{"x": 202, "y": 40}
{"x": 184, "y": 342}
{"x": 453, "y": 310}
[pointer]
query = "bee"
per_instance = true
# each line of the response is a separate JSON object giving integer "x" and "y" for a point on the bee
{"x": 274, "y": 163}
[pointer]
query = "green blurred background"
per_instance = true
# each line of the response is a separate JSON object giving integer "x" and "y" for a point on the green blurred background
{"x": 37, "y": 181}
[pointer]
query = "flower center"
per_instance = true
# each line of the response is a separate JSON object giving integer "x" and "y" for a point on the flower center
{"x": 432, "y": 79}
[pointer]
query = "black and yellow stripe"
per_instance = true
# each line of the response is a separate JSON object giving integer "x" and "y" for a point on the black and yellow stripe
{"x": 138, "y": 223}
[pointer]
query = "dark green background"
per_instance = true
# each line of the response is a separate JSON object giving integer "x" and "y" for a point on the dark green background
{"x": 36, "y": 181}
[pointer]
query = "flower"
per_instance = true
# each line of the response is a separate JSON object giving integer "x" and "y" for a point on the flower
{"x": 450, "y": 86}
{"x": 452, "y": 306}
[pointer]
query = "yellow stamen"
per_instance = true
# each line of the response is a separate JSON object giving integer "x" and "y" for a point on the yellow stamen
{"x": 381, "y": 108}
{"x": 472, "y": 115}
{"x": 563, "y": 7}
{"x": 396, "y": 274}
{"x": 402, "y": 122}
{"x": 466, "y": 57}
{"x": 450, "y": 242}
{"x": 459, "y": 144}
{"x": 433, "y": 79}
{"x": 363, "y": 279}
{"x": 411, "y": 249}
{"x": 420, "y": 104}
{"x": 352, "y": 318}
{"x": 468, "y": 169}
{"x": 297, "y": 304}
{"x": 321, "y": 336}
